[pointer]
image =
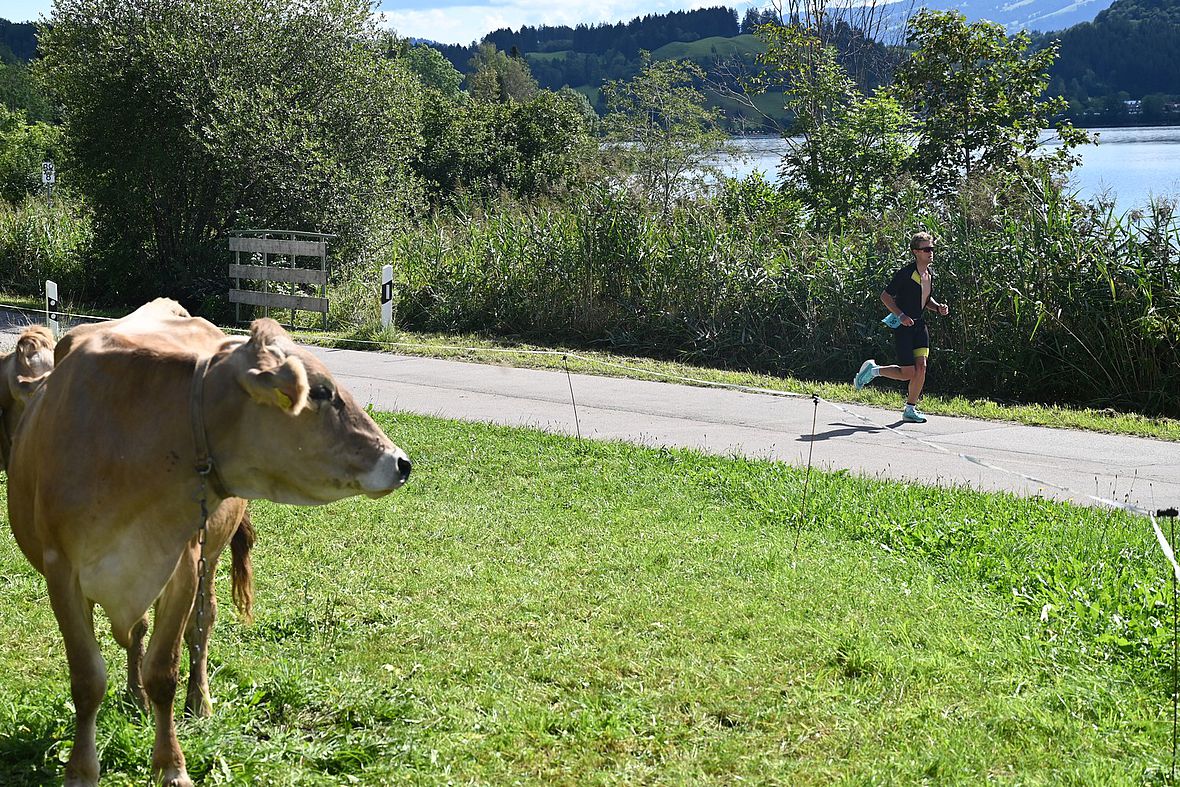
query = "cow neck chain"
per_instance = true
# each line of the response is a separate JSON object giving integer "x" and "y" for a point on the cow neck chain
{"x": 208, "y": 476}
{"x": 202, "y": 591}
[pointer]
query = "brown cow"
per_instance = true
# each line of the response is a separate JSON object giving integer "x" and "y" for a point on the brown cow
{"x": 198, "y": 701}
{"x": 21, "y": 373}
{"x": 132, "y": 429}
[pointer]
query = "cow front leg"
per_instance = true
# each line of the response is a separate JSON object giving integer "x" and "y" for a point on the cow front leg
{"x": 161, "y": 667}
{"x": 135, "y": 694}
{"x": 198, "y": 702}
{"x": 88, "y": 672}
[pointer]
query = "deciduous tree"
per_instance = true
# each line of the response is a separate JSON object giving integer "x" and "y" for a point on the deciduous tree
{"x": 661, "y": 130}
{"x": 23, "y": 146}
{"x": 845, "y": 150}
{"x": 497, "y": 77}
{"x": 434, "y": 70}
{"x": 189, "y": 118}
{"x": 978, "y": 96}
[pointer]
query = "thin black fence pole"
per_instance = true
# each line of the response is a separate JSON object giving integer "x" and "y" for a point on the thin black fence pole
{"x": 1175, "y": 698}
{"x": 574, "y": 402}
{"x": 807, "y": 475}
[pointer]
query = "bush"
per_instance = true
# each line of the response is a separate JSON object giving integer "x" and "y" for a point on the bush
{"x": 23, "y": 146}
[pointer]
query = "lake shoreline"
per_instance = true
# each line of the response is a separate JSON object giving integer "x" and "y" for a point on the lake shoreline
{"x": 1129, "y": 166}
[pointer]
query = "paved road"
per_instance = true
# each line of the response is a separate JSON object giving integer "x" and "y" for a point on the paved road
{"x": 724, "y": 422}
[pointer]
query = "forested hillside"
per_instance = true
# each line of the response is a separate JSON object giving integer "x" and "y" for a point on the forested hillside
{"x": 1123, "y": 67}
{"x": 585, "y": 56}
{"x": 1129, "y": 53}
{"x": 18, "y": 41}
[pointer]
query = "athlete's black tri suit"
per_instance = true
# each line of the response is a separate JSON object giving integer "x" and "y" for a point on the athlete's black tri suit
{"x": 911, "y": 341}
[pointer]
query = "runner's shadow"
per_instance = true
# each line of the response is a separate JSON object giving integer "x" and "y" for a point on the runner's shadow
{"x": 846, "y": 431}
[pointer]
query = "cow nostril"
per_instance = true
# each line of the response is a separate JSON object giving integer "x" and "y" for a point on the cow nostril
{"x": 403, "y": 467}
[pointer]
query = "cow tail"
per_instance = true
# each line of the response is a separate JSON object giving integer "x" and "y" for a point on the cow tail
{"x": 243, "y": 572}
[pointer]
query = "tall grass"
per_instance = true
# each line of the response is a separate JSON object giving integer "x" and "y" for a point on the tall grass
{"x": 39, "y": 241}
{"x": 1052, "y": 300}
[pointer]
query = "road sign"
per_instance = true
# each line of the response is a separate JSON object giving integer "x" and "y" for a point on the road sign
{"x": 48, "y": 173}
{"x": 51, "y": 307}
{"x": 386, "y": 296}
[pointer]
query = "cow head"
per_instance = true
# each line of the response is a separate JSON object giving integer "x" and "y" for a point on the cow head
{"x": 281, "y": 428}
{"x": 21, "y": 373}
{"x": 30, "y": 362}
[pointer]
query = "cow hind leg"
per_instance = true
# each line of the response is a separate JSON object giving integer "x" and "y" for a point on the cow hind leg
{"x": 198, "y": 702}
{"x": 88, "y": 674}
{"x": 161, "y": 668}
{"x": 135, "y": 695}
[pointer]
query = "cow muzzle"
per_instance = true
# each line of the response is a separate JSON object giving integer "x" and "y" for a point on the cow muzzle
{"x": 391, "y": 470}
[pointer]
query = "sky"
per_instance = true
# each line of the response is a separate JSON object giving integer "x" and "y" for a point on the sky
{"x": 464, "y": 21}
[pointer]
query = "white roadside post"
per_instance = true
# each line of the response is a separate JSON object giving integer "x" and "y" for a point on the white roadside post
{"x": 51, "y": 307}
{"x": 48, "y": 178}
{"x": 386, "y": 296}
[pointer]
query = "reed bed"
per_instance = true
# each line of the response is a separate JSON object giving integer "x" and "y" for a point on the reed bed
{"x": 40, "y": 241}
{"x": 1053, "y": 300}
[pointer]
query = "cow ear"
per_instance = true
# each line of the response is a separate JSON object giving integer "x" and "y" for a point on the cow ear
{"x": 284, "y": 386}
{"x": 27, "y": 386}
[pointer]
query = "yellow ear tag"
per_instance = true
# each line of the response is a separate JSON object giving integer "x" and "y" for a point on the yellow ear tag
{"x": 284, "y": 400}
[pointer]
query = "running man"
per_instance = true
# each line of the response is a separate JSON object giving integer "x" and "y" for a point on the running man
{"x": 908, "y": 294}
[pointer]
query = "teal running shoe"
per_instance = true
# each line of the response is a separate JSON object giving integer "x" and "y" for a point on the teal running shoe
{"x": 911, "y": 415}
{"x": 868, "y": 370}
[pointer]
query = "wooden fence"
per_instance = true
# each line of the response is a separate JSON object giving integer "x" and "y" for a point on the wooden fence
{"x": 275, "y": 259}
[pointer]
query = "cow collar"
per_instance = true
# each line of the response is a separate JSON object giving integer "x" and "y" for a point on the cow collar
{"x": 5, "y": 441}
{"x": 205, "y": 466}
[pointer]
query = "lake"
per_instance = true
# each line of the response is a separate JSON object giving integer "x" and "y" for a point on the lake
{"x": 1128, "y": 165}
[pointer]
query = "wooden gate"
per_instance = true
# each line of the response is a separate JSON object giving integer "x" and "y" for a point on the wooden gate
{"x": 275, "y": 259}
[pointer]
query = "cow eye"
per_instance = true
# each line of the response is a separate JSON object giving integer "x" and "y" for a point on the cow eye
{"x": 320, "y": 393}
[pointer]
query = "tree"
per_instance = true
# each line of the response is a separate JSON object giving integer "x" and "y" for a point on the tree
{"x": 19, "y": 91}
{"x": 188, "y": 118}
{"x": 496, "y": 77}
{"x": 977, "y": 96}
{"x": 23, "y": 146}
{"x": 434, "y": 70}
{"x": 482, "y": 147}
{"x": 661, "y": 130}
{"x": 845, "y": 150}
{"x": 551, "y": 136}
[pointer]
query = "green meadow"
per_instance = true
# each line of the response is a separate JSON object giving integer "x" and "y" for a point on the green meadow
{"x": 534, "y": 609}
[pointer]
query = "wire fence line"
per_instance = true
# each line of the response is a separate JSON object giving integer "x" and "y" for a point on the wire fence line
{"x": 313, "y": 337}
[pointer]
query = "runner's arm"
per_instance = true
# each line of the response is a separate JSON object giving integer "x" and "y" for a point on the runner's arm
{"x": 892, "y": 306}
{"x": 935, "y": 306}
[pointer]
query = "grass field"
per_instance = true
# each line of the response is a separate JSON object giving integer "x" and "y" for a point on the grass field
{"x": 533, "y": 609}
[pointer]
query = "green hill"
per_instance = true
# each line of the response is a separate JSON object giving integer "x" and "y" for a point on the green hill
{"x": 18, "y": 41}
{"x": 707, "y": 49}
